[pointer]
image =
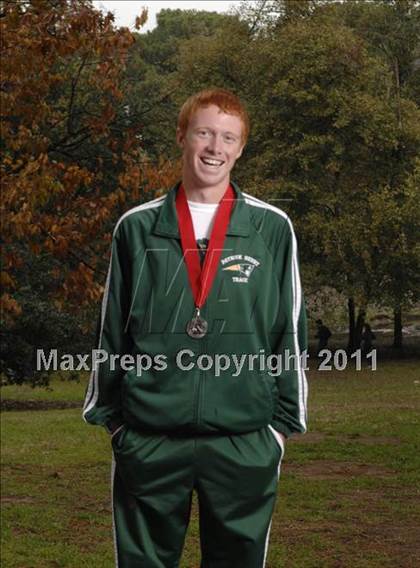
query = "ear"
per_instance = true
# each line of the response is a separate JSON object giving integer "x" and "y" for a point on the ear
{"x": 240, "y": 151}
{"x": 180, "y": 137}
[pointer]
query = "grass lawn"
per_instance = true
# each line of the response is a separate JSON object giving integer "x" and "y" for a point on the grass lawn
{"x": 349, "y": 491}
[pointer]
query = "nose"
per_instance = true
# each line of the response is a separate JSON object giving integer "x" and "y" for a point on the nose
{"x": 215, "y": 144}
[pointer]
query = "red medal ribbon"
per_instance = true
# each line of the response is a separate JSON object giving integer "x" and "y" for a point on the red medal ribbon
{"x": 201, "y": 279}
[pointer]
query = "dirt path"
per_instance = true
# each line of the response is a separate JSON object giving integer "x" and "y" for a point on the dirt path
{"x": 11, "y": 404}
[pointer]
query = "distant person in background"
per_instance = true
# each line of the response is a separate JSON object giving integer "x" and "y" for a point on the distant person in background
{"x": 367, "y": 339}
{"x": 323, "y": 334}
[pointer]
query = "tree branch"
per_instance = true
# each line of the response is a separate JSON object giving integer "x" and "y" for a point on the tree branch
{"x": 74, "y": 83}
{"x": 73, "y": 254}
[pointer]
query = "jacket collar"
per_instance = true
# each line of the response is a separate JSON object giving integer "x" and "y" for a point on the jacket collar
{"x": 167, "y": 221}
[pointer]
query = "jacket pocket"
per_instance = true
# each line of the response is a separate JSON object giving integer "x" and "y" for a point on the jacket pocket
{"x": 118, "y": 437}
{"x": 237, "y": 404}
{"x": 140, "y": 459}
{"x": 157, "y": 400}
{"x": 278, "y": 440}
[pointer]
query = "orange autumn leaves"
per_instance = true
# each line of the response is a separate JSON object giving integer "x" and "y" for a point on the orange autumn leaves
{"x": 71, "y": 160}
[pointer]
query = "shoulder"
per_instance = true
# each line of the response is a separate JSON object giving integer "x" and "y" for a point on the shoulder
{"x": 266, "y": 216}
{"x": 141, "y": 214}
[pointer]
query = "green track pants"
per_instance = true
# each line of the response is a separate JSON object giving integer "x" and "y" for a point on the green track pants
{"x": 154, "y": 476}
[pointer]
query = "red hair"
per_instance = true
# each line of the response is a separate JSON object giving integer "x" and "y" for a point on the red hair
{"x": 225, "y": 100}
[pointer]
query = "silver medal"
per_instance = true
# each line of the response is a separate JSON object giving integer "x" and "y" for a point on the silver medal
{"x": 197, "y": 327}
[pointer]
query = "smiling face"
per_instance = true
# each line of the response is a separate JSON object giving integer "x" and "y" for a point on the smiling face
{"x": 211, "y": 145}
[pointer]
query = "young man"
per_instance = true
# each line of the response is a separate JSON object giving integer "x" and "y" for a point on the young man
{"x": 202, "y": 291}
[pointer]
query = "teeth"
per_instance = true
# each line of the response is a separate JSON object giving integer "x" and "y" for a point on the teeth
{"x": 211, "y": 162}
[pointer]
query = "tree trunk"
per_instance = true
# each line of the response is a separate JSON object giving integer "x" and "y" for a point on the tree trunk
{"x": 352, "y": 325}
{"x": 355, "y": 326}
{"x": 359, "y": 328}
{"x": 398, "y": 337}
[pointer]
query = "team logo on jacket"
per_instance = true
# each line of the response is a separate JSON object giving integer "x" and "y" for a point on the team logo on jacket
{"x": 241, "y": 266}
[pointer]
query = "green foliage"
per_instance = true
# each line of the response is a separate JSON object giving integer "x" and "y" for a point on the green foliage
{"x": 160, "y": 46}
{"x": 41, "y": 325}
{"x": 395, "y": 226}
{"x": 154, "y": 99}
{"x": 330, "y": 130}
{"x": 391, "y": 28}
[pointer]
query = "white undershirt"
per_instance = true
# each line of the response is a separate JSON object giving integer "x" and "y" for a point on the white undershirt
{"x": 202, "y": 217}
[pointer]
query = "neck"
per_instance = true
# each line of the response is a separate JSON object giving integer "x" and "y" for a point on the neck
{"x": 204, "y": 194}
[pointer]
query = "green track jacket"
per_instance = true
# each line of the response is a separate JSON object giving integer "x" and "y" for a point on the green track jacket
{"x": 254, "y": 310}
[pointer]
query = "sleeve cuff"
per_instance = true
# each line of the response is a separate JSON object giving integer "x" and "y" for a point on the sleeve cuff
{"x": 282, "y": 428}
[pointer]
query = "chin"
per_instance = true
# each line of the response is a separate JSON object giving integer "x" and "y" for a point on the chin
{"x": 208, "y": 181}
